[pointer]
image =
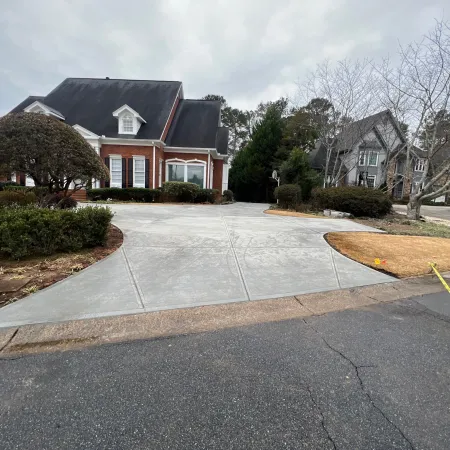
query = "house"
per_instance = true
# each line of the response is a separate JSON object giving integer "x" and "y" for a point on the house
{"x": 359, "y": 152}
{"x": 145, "y": 131}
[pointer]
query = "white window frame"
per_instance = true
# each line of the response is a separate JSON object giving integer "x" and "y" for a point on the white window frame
{"x": 419, "y": 166}
{"x": 374, "y": 177}
{"x": 192, "y": 162}
{"x": 127, "y": 117}
{"x": 366, "y": 158}
{"x": 111, "y": 182}
{"x": 160, "y": 171}
{"x": 138, "y": 158}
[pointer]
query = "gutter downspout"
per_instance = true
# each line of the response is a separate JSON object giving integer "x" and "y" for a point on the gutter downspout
{"x": 208, "y": 171}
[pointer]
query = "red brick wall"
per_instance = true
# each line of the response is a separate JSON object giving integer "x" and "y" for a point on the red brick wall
{"x": 159, "y": 154}
{"x": 128, "y": 151}
{"x": 169, "y": 122}
{"x": 217, "y": 175}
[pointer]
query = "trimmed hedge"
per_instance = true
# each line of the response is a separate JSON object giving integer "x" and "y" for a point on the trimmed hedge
{"x": 11, "y": 198}
{"x": 207, "y": 196}
{"x": 3, "y": 184}
{"x": 227, "y": 195}
{"x": 358, "y": 201}
{"x": 288, "y": 195}
{"x": 180, "y": 191}
{"x": 40, "y": 191}
{"x": 126, "y": 194}
{"x": 40, "y": 231}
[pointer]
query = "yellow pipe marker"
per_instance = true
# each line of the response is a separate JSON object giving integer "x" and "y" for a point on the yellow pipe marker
{"x": 433, "y": 266}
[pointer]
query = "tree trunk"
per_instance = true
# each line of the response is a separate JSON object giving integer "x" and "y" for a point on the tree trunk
{"x": 413, "y": 209}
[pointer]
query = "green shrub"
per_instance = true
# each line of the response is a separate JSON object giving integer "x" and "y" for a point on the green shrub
{"x": 39, "y": 191}
{"x": 180, "y": 191}
{"x": 207, "y": 196}
{"x": 288, "y": 195}
{"x": 125, "y": 195}
{"x": 41, "y": 231}
{"x": 10, "y": 198}
{"x": 227, "y": 196}
{"x": 358, "y": 201}
{"x": 3, "y": 184}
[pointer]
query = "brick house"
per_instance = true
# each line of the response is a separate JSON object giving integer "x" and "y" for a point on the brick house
{"x": 145, "y": 131}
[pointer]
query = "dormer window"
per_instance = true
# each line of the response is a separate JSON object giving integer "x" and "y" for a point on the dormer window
{"x": 129, "y": 120}
{"x": 127, "y": 123}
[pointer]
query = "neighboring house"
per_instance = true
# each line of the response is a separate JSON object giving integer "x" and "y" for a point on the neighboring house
{"x": 360, "y": 151}
{"x": 145, "y": 131}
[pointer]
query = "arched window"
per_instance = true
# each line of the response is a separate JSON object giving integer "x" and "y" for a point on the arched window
{"x": 127, "y": 124}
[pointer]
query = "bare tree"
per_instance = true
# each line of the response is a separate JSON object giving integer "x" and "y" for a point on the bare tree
{"x": 348, "y": 89}
{"x": 417, "y": 91}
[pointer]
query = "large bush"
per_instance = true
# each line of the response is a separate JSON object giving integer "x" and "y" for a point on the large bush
{"x": 127, "y": 194}
{"x": 227, "y": 195}
{"x": 10, "y": 198}
{"x": 359, "y": 201}
{"x": 59, "y": 201}
{"x": 288, "y": 195}
{"x": 41, "y": 231}
{"x": 180, "y": 191}
{"x": 4, "y": 184}
{"x": 207, "y": 196}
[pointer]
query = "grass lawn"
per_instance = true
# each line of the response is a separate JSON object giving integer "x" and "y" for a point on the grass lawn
{"x": 21, "y": 278}
{"x": 401, "y": 256}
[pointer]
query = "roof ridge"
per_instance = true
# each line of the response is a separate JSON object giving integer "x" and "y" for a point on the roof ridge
{"x": 120, "y": 79}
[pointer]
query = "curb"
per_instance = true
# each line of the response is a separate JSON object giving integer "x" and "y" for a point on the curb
{"x": 30, "y": 339}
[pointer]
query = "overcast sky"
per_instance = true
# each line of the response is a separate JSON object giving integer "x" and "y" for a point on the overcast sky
{"x": 246, "y": 50}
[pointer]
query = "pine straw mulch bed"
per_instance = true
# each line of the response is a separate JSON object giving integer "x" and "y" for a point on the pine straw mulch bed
{"x": 398, "y": 255}
{"x": 21, "y": 278}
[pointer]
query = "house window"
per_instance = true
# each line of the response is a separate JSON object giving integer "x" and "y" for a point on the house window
{"x": 192, "y": 173}
{"x": 29, "y": 181}
{"x": 176, "y": 172}
{"x": 420, "y": 165}
{"x": 371, "y": 179}
{"x": 13, "y": 177}
{"x": 127, "y": 124}
{"x": 139, "y": 171}
{"x": 116, "y": 171}
{"x": 368, "y": 159}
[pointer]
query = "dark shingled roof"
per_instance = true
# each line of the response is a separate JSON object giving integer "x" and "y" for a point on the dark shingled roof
{"x": 90, "y": 102}
{"x": 222, "y": 140}
{"x": 27, "y": 102}
{"x": 195, "y": 124}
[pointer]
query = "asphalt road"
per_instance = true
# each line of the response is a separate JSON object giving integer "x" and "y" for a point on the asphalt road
{"x": 441, "y": 212}
{"x": 373, "y": 378}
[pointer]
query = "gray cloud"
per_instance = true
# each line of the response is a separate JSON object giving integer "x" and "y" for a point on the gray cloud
{"x": 249, "y": 51}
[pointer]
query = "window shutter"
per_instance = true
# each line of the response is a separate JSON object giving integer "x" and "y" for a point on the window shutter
{"x": 124, "y": 173}
{"x": 22, "y": 179}
{"x": 130, "y": 172}
{"x": 107, "y": 165}
{"x": 147, "y": 168}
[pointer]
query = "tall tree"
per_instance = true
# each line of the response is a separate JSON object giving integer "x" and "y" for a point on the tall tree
{"x": 417, "y": 90}
{"x": 235, "y": 120}
{"x": 252, "y": 167}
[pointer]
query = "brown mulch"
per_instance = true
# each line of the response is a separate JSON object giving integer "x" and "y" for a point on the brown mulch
{"x": 401, "y": 256}
{"x": 21, "y": 278}
{"x": 283, "y": 212}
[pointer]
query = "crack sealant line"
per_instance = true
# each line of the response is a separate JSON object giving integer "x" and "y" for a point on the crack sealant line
{"x": 333, "y": 262}
{"x": 133, "y": 280}
{"x": 241, "y": 274}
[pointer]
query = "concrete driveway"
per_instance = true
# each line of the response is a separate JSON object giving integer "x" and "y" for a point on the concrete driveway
{"x": 181, "y": 256}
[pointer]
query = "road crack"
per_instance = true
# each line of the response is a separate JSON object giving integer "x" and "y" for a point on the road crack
{"x": 361, "y": 383}
{"x": 10, "y": 340}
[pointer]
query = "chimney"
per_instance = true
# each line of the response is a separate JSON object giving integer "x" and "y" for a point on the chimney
{"x": 107, "y": 78}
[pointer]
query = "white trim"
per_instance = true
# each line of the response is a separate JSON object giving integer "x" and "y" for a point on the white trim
{"x": 173, "y": 106}
{"x": 140, "y": 158}
{"x": 45, "y": 108}
{"x": 84, "y": 131}
{"x": 205, "y": 149}
{"x": 154, "y": 168}
{"x": 366, "y": 154}
{"x": 160, "y": 172}
{"x": 116, "y": 157}
{"x": 420, "y": 162}
{"x": 208, "y": 182}
{"x": 191, "y": 162}
{"x": 374, "y": 180}
{"x": 135, "y": 142}
{"x": 129, "y": 109}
